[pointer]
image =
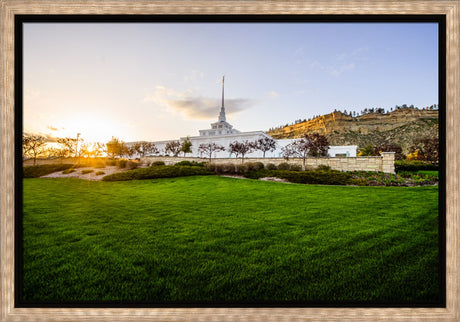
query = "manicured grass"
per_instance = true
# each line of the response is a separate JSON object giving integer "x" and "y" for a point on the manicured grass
{"x": 214, "y": 239}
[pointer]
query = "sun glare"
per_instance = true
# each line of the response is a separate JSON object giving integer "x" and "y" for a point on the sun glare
{"x": 92, "y": 129}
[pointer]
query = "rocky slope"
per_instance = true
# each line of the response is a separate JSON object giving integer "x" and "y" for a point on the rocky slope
{"x": 401, "y": 127}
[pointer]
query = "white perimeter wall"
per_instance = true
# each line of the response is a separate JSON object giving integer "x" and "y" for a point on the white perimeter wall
{"x": 225, "y": 140}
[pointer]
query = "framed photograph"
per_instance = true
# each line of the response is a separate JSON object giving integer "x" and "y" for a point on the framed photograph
{"x": 209, "y": 160}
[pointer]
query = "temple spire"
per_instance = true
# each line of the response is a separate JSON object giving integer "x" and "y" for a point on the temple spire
{"x": 223, "y": 79}
{"x": 222, "y": 109}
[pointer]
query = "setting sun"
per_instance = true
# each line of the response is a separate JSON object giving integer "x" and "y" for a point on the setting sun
{"x": 91, "y": 129}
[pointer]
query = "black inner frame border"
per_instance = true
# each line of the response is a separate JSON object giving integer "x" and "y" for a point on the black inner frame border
{"x": 18, "y": 129}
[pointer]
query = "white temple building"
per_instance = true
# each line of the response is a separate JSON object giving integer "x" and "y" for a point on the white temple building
{"x": 223, "y": 133}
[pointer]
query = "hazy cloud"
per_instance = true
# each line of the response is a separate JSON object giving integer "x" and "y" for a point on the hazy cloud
{"x": 298, "y": 52}
{"x": 273, "y": 94}
{"x": 193, "y": 75}
{"x": 334, "y": 69}
{"x": 337, "y": 71}
{"x": 48, "y": 137}
{"x": 205, "y": 108}
{"x": 196, "y": 107}
{"x": 342, "y": 62}
{"x": 52, "y": 128}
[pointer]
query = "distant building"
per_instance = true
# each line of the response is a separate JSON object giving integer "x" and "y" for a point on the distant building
{"x": 223, "y": 133}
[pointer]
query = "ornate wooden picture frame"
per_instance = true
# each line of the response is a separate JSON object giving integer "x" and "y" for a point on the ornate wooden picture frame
{"x": 11, "y": 8}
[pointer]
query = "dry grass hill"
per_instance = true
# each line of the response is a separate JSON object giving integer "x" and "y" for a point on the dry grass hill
{"x": 400, "y": 127}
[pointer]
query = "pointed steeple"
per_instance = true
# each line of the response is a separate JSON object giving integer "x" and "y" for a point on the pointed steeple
{"x": 222, "y": 109}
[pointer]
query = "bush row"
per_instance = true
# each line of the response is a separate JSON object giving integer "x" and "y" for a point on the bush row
{"x": 327, "y": 177}
{"x": 36, "y": 171}
{"x": 189, "y": 163}
{"x": 415, "y": 166}
{"x": 157, "y": 172}
{"x": 243, "y": 168}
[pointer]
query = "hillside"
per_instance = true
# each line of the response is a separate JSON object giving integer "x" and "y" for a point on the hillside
{"x": 401, "y": 127}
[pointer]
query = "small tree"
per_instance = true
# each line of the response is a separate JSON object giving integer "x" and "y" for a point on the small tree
{"x": 143, "y": 148}
{"x": 265, "y": 144}
{"x": 128, "y": 151}
{"x": 390, "y": 147}
{"x": 242, "y": 148}
{"x": 69, "y": 145}
{"x": 33, "y": 146}
{"x": 318, "y": 144}
{"x": 297, "y": 149}
{"x": 86, "y": 150}
{"x": 427, "y": 149}
{"x": 99, "y": 149}
{"x": 186, "y": 146}
{"x": 310, "y": 145}
{"x": 209, "y": 148}
{"x": 115, "y": 148}
{"x": 55, "y": 152}
{"x": 233, "y": 149}
{"x": 173, "y": 147}
{"x": 368, "y": 150}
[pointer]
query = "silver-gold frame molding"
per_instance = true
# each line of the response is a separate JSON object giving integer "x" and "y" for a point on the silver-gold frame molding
{"x": 449, "y": 8}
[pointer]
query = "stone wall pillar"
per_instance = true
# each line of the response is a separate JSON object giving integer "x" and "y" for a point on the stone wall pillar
{"x": 388, "y": 162}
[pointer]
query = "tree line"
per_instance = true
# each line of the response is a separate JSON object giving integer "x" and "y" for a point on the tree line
{"x": 34, "y": 146}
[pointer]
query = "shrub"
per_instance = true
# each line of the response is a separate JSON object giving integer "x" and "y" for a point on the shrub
{"x": 255, "y": 166}
{"x": 284, "y": 166}
{"x": 224, "y": 168}
{"x": 157, "y": 163}
{"x": 257, "y": 174}
{"x": 185, "y": 162}
{"x": 404, "y": 178}
{"x": 99, "y": 165}
{"x": 122, "y": 163}
{"x": 415, "y": 166}
{"x": 228, "y": 168}
{"x": 429, "y": 173}
{"x": 271, "y": 166}
{"x": 132, "y": 165}
{"x": 157, "y": 172}
{"x": 190, "y": 163}
{"x": 332, "y": 177}
{"x": 111, "y": 162}
{"x": 241, "y": 168}
{"x": 86, "y": 171}
{"x": 295, "y": 167}
{"x": 98, "y": 173}
{"x": 44, "y": 169}
{"x": 68, "y": 171}
{"x": 323, "y": 167}
{"x": 210, "y": 167}
{"x": 218, "y": 168}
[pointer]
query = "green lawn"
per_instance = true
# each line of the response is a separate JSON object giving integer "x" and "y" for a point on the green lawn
{"x": 233, "y": 240}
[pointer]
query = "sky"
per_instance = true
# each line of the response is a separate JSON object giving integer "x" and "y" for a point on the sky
{"x": 160, "y": 81}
